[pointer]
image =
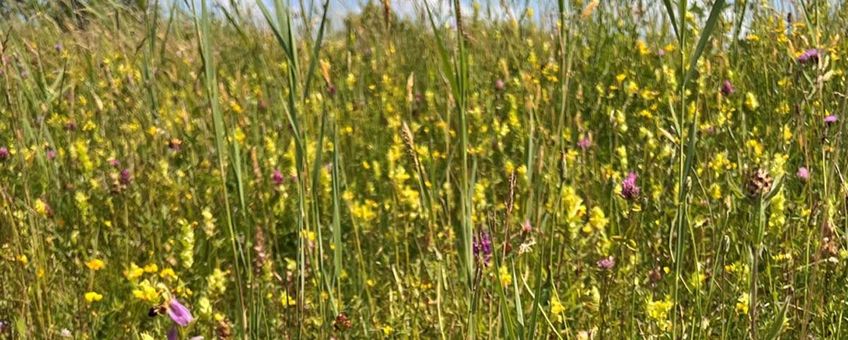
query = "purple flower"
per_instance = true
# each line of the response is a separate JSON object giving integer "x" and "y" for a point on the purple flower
{"x": 803, "y": 174}
{"x": 482, "y": 245}
{"x": 179, "y": 313}
{"x": 500, "y": 85}
{"x": 114, "y": 162}
{"x": 4, "y": 153}
{"x": 606, "y": 263}
{"x": 277, "y": 177}
{"x": 173, "y": 333}
{"x": 830, "y": 120}
{"x": 811, "y": 55}
{"x": 126, "y": 177}
{"x": 584, "y": 143}
{"x": 629, "y": 189}
{"x": 51, "y": 154}
{"x": 727, "y": 88}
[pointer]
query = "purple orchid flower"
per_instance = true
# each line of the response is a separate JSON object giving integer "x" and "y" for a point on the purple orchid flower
{"x": 179, "y": 313}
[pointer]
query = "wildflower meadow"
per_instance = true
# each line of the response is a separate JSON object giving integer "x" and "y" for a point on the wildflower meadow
{"x": 423, "y": 169}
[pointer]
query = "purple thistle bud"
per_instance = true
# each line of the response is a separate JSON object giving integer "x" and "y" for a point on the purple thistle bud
{"x": 629, "y": 189}
{"x": 277, "y": 177}
{"x": 584, "y": 143}
{"x": 500, "y": 85}
{"x": 803, "y": 174}
{"x": 126, "y": 177}
{"x": 482, "y": 245}
{"x": 4, "y": 153}
{"x": 51, "y": 154}
{"x": 809, "y": 56}
{"x": 606, "y": 263}
{"x": 830, "y": 120}
{"x": 727, "y": 88}
{"x": 179, "y": 313}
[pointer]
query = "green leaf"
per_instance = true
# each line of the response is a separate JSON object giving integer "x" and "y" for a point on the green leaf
{"x": 777, "y": 324}
{"x": 709, "y": 27}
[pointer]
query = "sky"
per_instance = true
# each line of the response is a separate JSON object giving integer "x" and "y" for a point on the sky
{"x": 338, "y": 9}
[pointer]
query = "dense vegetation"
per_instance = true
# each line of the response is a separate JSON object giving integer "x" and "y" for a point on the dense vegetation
{"x": 570, "y": 169}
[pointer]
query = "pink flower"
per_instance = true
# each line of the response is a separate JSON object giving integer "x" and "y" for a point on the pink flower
{"x": 526, "y": 227}
{"x": 811, "y": 55}
{"x": 829, "y": 120}
{"x": 584, "y": 143}
{"x": 277, "y": 177}
{"x": 727, "y": 88}
{"x": 606, "y": 263}
{"x": 803, "y": 174}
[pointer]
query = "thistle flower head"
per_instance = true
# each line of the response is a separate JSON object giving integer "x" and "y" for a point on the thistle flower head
{"x": 830, "y": 120}
{"x": 803, "y": 174}
{"x": 606, "y": 263}
{"x": 727, "y": 88}
{"x": 809, "y": 56}
{"x": 629, "y": 189}
{"x": 277, "y": 177}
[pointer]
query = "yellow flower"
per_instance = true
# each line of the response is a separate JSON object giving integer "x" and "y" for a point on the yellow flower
{"x": 287, "y": 300}
{"x": 151, "y": 268}
{"x": 597, "y": 220}
{"x": 133, "y": 272}
{"x": 658, "y": 311}
{"x": 95, "y": 264}
{"x": 167, "y": 274}
{"x": 93, "y": 297}
{"x": 388, "y": 330}
{"x": 742, "y": 304}
{"x": 40, "y": 207}
{"x": 505, "y": 276}
{"x": 556, "y": 308}
{"x": 751, "y": 102}
{"x": 146, "y": 292}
